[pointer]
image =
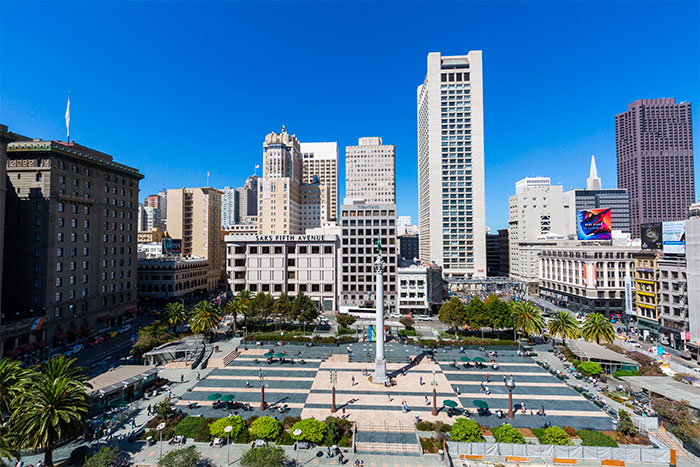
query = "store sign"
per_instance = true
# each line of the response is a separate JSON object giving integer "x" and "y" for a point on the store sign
{"x": 289, "y": 238}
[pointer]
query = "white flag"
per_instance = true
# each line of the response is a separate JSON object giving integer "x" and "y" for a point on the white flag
{"x": 257, "y": 166}
{"x": 68, "y": 118}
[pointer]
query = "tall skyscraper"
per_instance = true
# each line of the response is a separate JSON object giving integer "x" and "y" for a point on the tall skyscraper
{"x": 280, "y": 188}
{"x": 194, "y": 216}
{"x": 229, "y": 207}
{"x": 321, "y": 161}
{"x": 370, "y": 171}
{"x": 451, "y": 200}
{"x": 248, "y": 200}
{"x": 655, "y": 160}
{"x": 4, "y": 139}
{"x": 595, "y": 197}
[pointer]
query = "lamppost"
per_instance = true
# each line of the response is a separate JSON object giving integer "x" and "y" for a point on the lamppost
{"x": 297, "y": 434}
{"x": 434, "y": 384}
{"x": 228, "y": 430}
{"x": 160, "y": 430}
{"x": 261, "y": 376}
{"x": 510, "y": 384}
{"x": 334, "y": 380}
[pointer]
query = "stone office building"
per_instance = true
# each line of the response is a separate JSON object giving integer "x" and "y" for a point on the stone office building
{"x": 70, "y": 245}
{"x": 285, "y": 263}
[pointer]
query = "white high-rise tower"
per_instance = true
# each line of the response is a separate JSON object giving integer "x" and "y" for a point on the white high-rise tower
{"x": 451, "y": 200}
{"x": 593, "y": 180}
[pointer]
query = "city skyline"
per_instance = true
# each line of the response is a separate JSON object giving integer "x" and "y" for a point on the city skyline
{"x": 134, "y": 115}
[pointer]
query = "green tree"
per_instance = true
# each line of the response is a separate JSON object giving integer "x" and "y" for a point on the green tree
{"x": 466, "y": 431}
{"x": 8, "y": 444}
{"x": 173, "y": 315}
{"x": 305, "y": 310}
{"x": 236, "y": 422}
{"x": 242, "y": 302}
{"x": 265, "y": 456}
{"x": 104, "y": 457}
{"x": 626, "y": 426}
{"x": 597, "y": 328}
{"x": 555, "y": 435}
{"x": 265, "y": 428}
{"x": 282, "y": 307}
{"x": 589, "y": 368}
{"x": 564, "y": 325}
{"x": 187, "y": 457}
{"x": 52, "y": 407}
{"x": 231, "y": 308}
{"x": 452, "y": 313}
{"x": 164, "y": 408}
{"x": 261, "y": 307}
{"x": 345, "y": 319}
{"x": 507, "y": 434}
{"x": 13, "y": 380}
{"x": 499, "y": 313}
{"x": 407, "y": 322}
{"x": 311, "y": 430}
{"x": 205, "y": 318}
{"x": 476, "y": 315}
{"x": 527, "y": 318}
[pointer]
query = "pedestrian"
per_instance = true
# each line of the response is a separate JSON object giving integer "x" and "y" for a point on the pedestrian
{"x": 457, "y": 390}
{"x": 328, "y": 452}
{"x": 198, "y": 376}
{"x": 522, "y": 405}
{"x": 109, "y": 433}
{"x": 133, "y": 423}
{"x": 343, "y": 412}
{"x": 352, "y": 378}
{"x": 488, "y": 378}
{"x": 182, "y": 378}
{"x": 542, "y": 410}
{"x": 341, "y": 459}
{"x": 420, "y": 381}
{"x": 149, "y": 409}
{"x": 388, "y": 395}
{"x": 426, "y": 401}
{"x": 488, "y": 391}
{"x": 170, "y": 393}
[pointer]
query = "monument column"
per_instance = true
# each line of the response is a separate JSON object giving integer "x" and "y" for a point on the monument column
{"x": 380, "y": 361}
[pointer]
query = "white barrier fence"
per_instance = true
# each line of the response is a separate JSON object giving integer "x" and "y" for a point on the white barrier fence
{"x": 548, "y": 451}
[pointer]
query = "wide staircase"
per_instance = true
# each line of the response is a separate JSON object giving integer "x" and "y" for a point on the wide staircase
{"x": 387, "y": 438}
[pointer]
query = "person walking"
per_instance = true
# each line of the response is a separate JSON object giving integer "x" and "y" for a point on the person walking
{"x": 182, "y": 378}
{"x": 352, "y": 379}
{"x": 427, "y": 402}
{"x": 420, "y": 381}
{"x": 388, "y": 395}
{"x": 198, "y": 376}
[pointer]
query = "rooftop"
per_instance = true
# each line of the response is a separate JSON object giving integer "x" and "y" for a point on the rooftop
{"x": 591, "y": 350}
{"x": 667, "y": 387}
{"x": 117, "y": 378}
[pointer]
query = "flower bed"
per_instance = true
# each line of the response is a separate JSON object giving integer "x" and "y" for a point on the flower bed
{"x": 470, "y": 343}
{"x": 267, "y": 337}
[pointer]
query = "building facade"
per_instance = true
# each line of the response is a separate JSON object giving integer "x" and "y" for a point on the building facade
{"x": 420, "y": 288}
{"x": 229, "y": 206}
{"x": 451, "y": 200}
{"x": 537, "y": 210}
{"x": 692, "y": 255}
{"x": 247, "y": 200}
{"x": 655, "y": 160}
{"x": 314, "y": 206}
{"x": 70, "y": 254}
{"x": 321, "y": 165}
{"x": 587, "y": 277}
{"x": 646, "y": 303}
{"x": 161, "y": 280}
{"x": 285, "y": 263}
{"x": 493, "y": 255}
{"x": 363, "y": 225}
{"x": 673, "y": 300}
{"x": 408, "y": 246}
{"x": 4, "y": 139}
{"x": 194, "y": 216}
{"x": 370, "y": 171}
{"x": 503, "y": 252}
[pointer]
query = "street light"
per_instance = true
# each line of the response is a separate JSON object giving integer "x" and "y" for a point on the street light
{"x": 434, "y": 384}
{"x": 510, "y": 385}
{"x": 261, "y": 376}
{"x": 334, "y": 380}
{"x": 159, "y": 428}
{"x": 297, "y": 434}
{"x": 228, "y": 430}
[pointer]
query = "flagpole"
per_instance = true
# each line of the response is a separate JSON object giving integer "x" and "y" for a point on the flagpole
{"x": 68, "y": 119}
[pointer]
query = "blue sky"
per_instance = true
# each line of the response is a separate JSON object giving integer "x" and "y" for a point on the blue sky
{"x": 177, "y": 89}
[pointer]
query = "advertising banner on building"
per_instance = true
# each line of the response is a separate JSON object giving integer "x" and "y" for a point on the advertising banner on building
{"x": 172, "y": 246}
{"x": 652, "y": 236}
{"x": 674, "y": 237}
{"x": 594, "y": 224}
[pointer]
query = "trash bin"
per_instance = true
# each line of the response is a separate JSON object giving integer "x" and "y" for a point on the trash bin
{"x": 441, "y": 453}
{"x": 149, "y": 441}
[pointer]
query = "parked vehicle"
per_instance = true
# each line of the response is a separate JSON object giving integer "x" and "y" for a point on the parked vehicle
{"x": 125, "y": 328}
{"x": 78, "y": 348}
{"x": 423, "y": 318}
{"x": 395, "y": 315}
{"x": 98, "y": 340}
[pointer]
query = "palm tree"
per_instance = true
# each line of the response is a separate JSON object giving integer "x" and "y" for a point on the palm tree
{"x": 527, "y": 318}
{"x": 53, "y": 407}
{"x": 243, "y": 300}
{"x": 564, "y": 325}
{"x": 174, "y": 314}
{"x": 13, "y": 378}
{"x": 598, "y": 328}
{"x": 205, "y": 318}
{"x": 8, "y": 449}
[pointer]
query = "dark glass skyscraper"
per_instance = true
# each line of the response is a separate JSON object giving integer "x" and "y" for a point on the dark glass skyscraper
{"x": 655, "y": 160}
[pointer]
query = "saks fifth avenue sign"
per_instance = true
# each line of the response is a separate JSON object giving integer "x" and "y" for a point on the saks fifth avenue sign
{"x": 289, "y": 238}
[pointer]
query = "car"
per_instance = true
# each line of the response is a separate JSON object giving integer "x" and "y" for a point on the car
{"x": 395, "y": 315}
{"x": 98, "y": 340}
{"x": 113, "y": 334}
{"x": 77, "y": 348}
{"x": 125, "y": 328}
{"x": 424, "y": 318}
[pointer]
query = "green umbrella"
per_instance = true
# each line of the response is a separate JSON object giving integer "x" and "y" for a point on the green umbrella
{"x": 464, "y": 359}
{"x": 269, "y": 354}
{"x": 228, "y": 397}
{"x": 480, "y": 404}
{"x": 280, "y": 355}
{"x": 479, "y": 359}
{"x": 214, "y": 396}
{"x": 449, "y": 403}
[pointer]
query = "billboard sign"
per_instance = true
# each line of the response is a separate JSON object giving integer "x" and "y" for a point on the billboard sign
{"x": 674, "y": 237}
{"x": 172, "y": 246}
{"x": 594, "y": 224}
{"x": 652, "y": 236}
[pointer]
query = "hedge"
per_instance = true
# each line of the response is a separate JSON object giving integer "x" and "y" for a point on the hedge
{"x": 595, "y": 438}
{"x": 469, "y": 343}
{"x": 291, "y": 338}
